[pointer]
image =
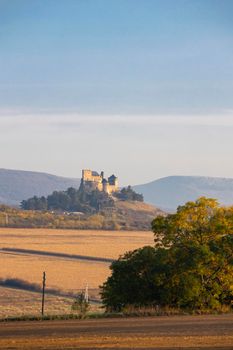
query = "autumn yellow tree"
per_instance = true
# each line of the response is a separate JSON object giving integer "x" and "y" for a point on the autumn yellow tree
{"x": 191, "y": 265}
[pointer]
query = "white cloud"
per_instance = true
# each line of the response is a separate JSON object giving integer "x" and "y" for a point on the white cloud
{"x": 71, "y": 120}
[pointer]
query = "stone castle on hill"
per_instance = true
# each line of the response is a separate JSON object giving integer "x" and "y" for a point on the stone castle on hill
{"x": 91, "y": 180}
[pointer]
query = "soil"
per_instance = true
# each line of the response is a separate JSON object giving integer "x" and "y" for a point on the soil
{"x": 173, "y": 332}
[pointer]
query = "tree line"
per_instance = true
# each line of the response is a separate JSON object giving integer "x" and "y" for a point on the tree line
{"x": 128, "y": 194}
{"x": 79, "y": 200}
{"x": 71, "y": 200}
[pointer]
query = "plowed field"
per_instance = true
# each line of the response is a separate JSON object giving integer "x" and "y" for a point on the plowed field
{"x": 178, "y": 332}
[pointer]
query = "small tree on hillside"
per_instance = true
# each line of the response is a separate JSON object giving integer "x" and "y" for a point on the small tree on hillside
{"x": 128, "y": 194}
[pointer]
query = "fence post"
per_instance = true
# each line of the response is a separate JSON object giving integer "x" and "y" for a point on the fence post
{"x": 43, "y": 293}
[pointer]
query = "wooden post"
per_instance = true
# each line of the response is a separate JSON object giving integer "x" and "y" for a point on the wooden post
{"x": 86, "y": 296}
{"x": 43, "y": 293}
{"x": 6, "y": 219}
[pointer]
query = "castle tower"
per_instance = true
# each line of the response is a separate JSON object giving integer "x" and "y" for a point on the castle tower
{"x": 86, "y": 174}
{"x": 105, "y": 186}
{"x": 113, "y": 183}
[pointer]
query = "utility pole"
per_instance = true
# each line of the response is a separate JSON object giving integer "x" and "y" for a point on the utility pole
{"x": 43, "y": 292}
{"x": 86, "y": 296}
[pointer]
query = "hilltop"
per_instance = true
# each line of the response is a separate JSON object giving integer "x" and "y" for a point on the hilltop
{"x": 171, "y": 191}
{"x": 16, "y": 185}
{"x": 137, "y": 214}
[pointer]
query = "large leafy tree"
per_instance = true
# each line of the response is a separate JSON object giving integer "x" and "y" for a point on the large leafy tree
{"x": 191, "y": 265}
{"x": 133, "y": 279}
{"x": 200, "y": 236}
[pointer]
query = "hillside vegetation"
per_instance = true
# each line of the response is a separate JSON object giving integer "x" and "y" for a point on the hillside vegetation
{"x": 123, "y": 216}
{"x": 86, "y": 209}
{"x": 71, "y": 200}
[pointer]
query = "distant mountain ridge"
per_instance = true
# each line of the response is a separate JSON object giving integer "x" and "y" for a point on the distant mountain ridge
{"x": 166, "y": 193}
{"x": 169, "y": 192}
{"x": 16, "y": 185}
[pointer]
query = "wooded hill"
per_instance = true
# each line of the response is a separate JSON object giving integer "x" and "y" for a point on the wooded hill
{"x": 82, "y": 200}
{"x": 80, "y": 209}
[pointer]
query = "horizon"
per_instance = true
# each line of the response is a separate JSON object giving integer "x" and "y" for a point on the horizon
{"x": 141, "y": 87}
{"x": 122, "y": 184}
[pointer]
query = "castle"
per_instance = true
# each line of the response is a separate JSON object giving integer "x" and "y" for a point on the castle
{"x": 92, "y": 180}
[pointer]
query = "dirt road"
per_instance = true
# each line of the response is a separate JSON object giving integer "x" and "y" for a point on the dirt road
{"x": 177, "y": 332}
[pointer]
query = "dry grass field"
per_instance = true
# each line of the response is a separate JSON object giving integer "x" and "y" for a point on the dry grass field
{"x": 15, "y": 302}
{"x": 84, "y": 242}
{"x": 63, "y": 273}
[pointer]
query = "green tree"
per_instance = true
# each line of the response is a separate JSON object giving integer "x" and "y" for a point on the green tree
{"x": 191, "y": 265}
{"x": 136, "y": 279}
{"x": 34, "y": 203}
{"x": 58, "y": 200}
{"x": 200, "y": 235}
{"x": 128, "y": 194}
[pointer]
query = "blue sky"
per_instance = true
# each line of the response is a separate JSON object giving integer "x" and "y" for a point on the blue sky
{"x": 147, "y": 83}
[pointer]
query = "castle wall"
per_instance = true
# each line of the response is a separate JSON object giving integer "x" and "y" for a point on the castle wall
{"x": 93, "y": 181}
{"x": 100, "y": 186}
{"x": 88, "y": 176}
{"x": 109, "y": 188}
{"x": 93, "y": 185}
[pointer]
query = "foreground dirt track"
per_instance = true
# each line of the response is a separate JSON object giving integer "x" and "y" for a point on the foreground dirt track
{"x": 179, "y": 332}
